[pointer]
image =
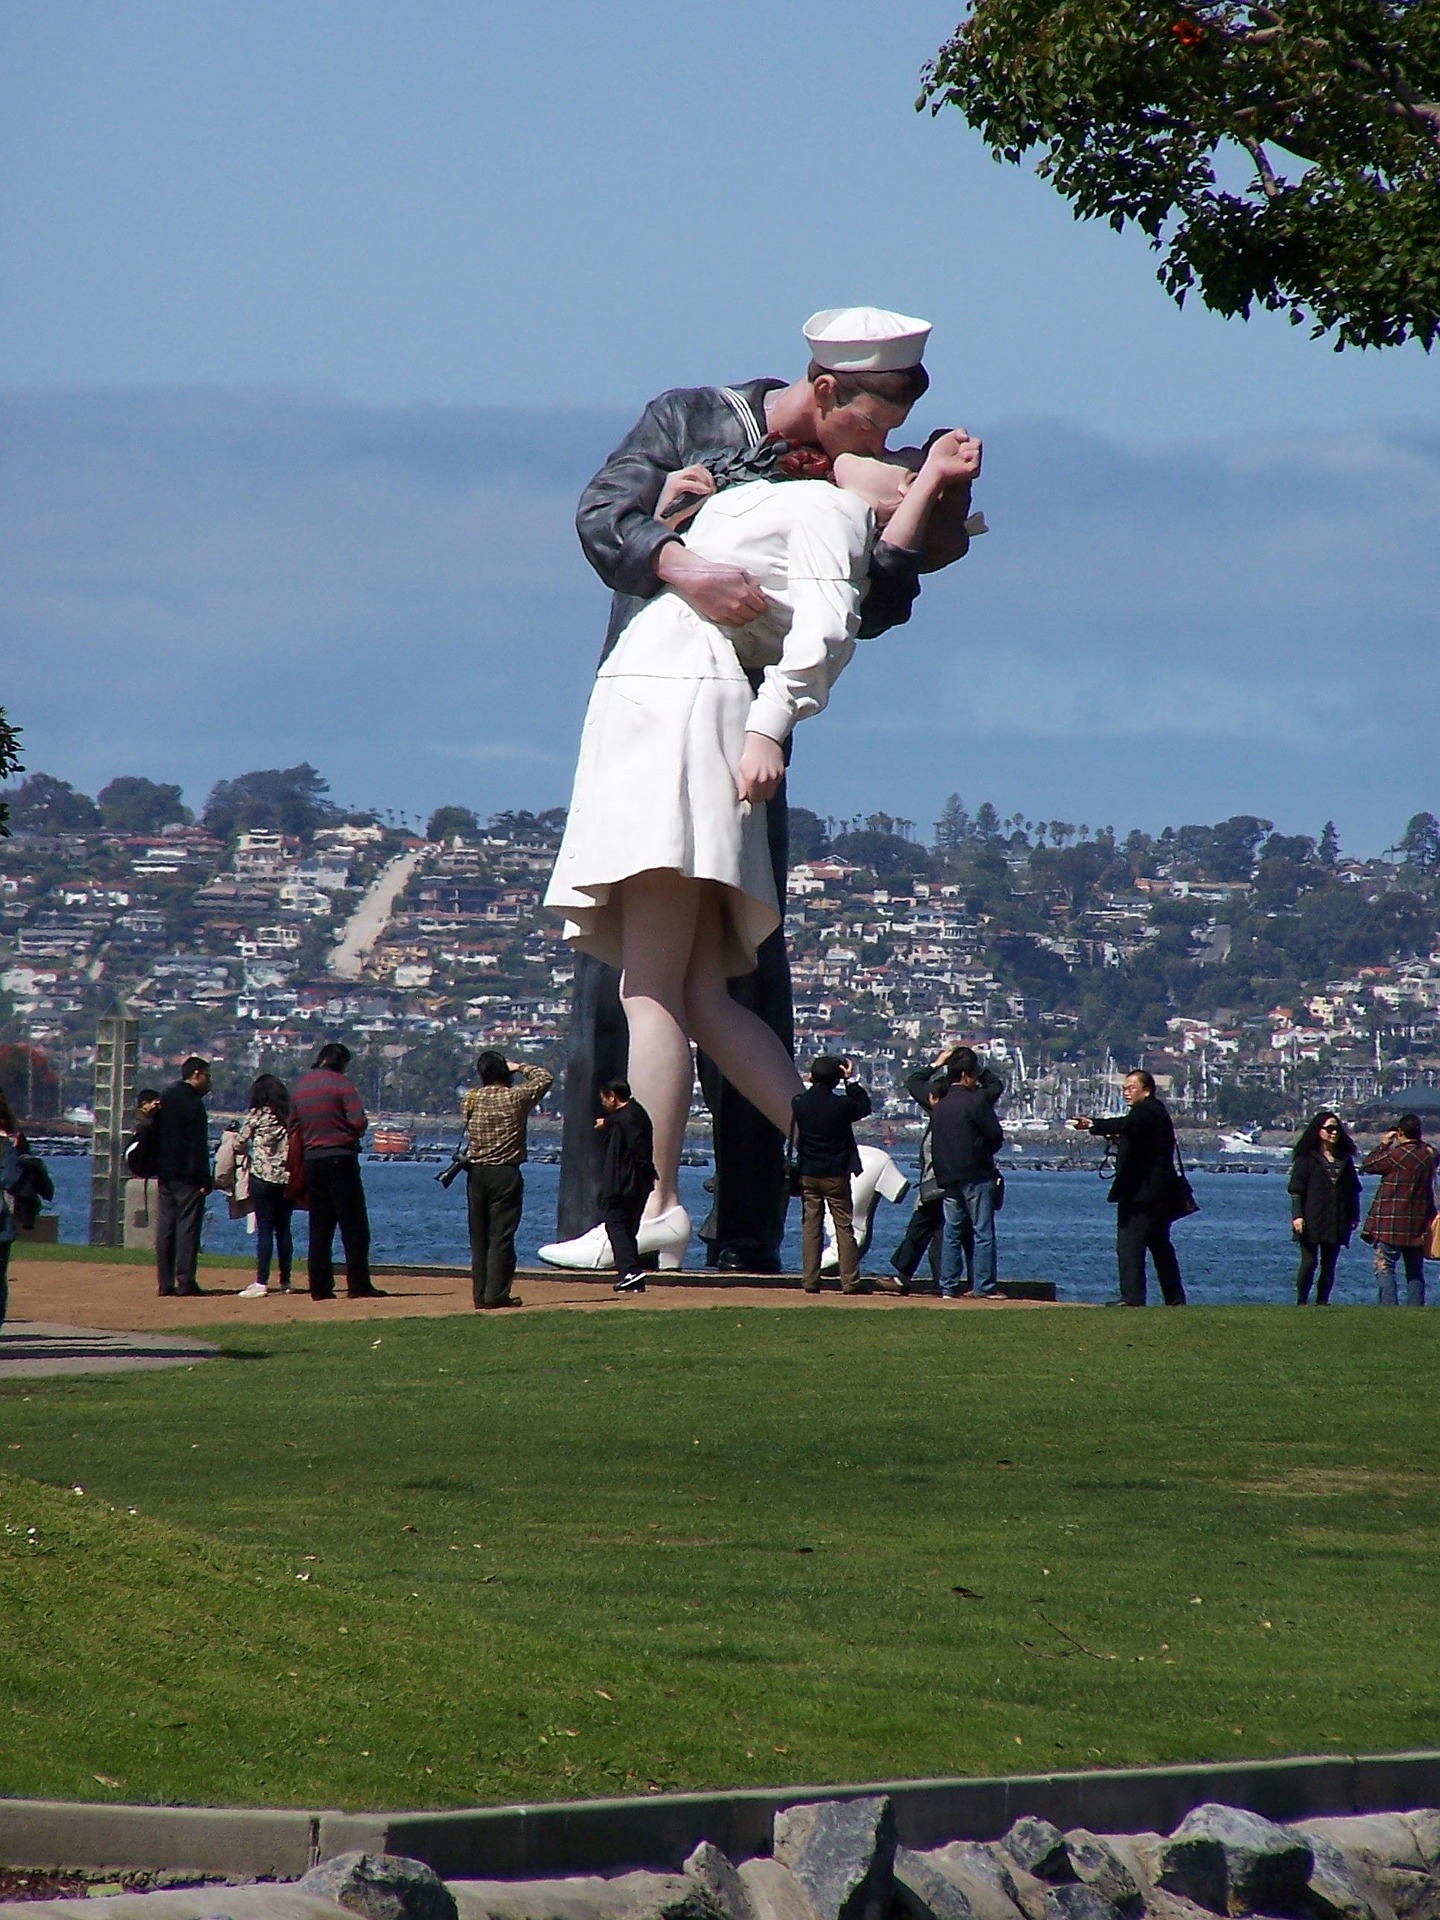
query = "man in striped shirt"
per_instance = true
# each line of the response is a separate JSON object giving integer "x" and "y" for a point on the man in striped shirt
{"x": 332, "y": 1122}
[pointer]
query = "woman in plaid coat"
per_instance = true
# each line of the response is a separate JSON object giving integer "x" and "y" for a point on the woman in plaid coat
{"x": 1398, "y": 1223}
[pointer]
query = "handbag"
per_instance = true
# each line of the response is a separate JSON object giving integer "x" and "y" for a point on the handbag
{"x": 295, "y": 1169}
{"x": 1184, "y": 1202}
{"x": 225, "y": 1155}
{"x": 35, "y": 1188}
{"x": 240, "y": 1201}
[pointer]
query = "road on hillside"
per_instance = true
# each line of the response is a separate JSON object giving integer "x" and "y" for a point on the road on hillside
{"x": 372, "y": 916}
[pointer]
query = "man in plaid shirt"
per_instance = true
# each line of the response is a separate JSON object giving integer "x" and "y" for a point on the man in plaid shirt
{"x": 1398, "y": 1224}
{"x": 495, "y": 1115}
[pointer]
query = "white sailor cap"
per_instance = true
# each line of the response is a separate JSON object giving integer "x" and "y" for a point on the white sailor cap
{"x": 865, "y": 339}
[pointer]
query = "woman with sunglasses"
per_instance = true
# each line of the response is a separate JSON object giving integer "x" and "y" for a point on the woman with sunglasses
{"x": 1324, "y": 1202}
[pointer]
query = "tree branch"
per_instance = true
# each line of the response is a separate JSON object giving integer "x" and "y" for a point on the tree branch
{"x": 1268, "y": 180}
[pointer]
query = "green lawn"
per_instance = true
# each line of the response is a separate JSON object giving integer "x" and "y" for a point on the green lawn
{"x": 448, "y": 1561}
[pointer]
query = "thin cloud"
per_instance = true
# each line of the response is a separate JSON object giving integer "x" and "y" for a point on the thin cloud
{"x": 194, "y": 583}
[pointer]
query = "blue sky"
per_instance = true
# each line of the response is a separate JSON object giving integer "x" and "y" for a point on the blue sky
{"x": 264, "y": 268}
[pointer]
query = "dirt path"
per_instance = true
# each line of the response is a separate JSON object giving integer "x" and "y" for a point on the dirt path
{"x": 91, "y": 1294}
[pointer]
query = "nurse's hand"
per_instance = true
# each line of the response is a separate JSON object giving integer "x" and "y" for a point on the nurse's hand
{"x": 762, "y": 768}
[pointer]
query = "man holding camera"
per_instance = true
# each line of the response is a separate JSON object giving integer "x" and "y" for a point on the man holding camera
{"x": 496, "y": 1115}
{"x": 1143, "y": 1191}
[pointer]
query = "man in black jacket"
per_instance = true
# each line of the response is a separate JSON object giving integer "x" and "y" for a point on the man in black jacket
{"x": 965, "y": 1137}
{"x": 636, "y": 555}
{"x": 182, "y": 1169}
{"x": 1143, "y": 1190}
{"x": 826, "y": 1156}
{"x": 627, "y": 1178}
{"x": 926, "y": 1085}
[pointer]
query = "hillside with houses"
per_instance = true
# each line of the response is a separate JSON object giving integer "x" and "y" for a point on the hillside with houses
{"x": 1253, "y": 972}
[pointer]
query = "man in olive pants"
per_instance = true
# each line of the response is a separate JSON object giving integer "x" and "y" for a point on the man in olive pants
{"x": 496, "y": 1115}
{"x": 826, "y": 1156}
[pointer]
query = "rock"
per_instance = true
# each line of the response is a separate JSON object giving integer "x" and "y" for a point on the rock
{"x": 1411, "y": 1896}
{"x": 925, "y": 1893}
{"x": 1424, "y": 1824}
{"x": 1232, "y": 1861}
{"x": 661, "y": 1896}
{"x": 1078, "y": 1902}
{"x": 1030, "y": 1892}
{"x": 382, "y": 1886}
{"x": 1383, "y": 1851}
{"x": 629, "y": 1896}
{"x": 842, "y": 1852}
{"x": 985, "y": 1881}
{"x": 719, "y": 1882}
{"x": 773, "y": 1891}
{"x": 1375, "y": 1839}
{"x": 1097, "y": 1864}
{"x": 1038, "y": 1848}
{"x": 1336, "y": 1891}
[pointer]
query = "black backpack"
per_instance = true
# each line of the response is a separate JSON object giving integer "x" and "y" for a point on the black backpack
{"x": 142, "y": 1156}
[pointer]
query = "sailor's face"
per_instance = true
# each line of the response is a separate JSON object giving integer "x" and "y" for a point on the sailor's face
{"x": 862, "y": 427}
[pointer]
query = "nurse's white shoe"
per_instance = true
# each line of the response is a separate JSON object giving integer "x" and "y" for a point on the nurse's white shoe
{"x": 879, "y": 1178}
{"x": 666, "y": 1236}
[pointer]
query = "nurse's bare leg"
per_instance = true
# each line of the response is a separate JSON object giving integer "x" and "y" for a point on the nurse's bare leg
{"x": 749, "y": 1053}
{"x": 658, "y": 916}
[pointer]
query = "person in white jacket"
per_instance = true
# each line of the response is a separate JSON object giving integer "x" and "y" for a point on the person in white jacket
{"x": 664, "y": 870}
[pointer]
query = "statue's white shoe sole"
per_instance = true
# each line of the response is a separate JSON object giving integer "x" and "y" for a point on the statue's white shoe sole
{"x": 878, "y": 1179}
{"x": 666, "y": 1236}
{"x": 589, "y": 1254}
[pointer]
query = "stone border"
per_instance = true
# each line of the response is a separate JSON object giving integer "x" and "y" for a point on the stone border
{"x": 600, "y": 1836}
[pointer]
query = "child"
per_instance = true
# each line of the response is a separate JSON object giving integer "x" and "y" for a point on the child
{"x": 626, "y": 1179}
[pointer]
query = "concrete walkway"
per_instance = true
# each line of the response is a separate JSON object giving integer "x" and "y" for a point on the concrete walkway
{"x": 32, "y": 1348}
{"x": 372, "y": 916}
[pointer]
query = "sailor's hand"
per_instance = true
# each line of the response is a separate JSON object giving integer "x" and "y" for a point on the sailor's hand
{"x": 728, "y": 595}
{"x": 761, "y": 769}
{"x": 690, "y": 481}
